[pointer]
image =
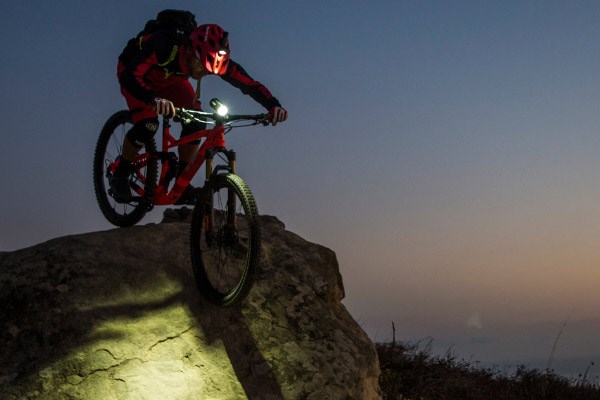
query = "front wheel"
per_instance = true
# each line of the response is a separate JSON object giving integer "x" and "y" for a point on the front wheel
{"x": 225, "y": 240}
{"x": 142, "y": 180}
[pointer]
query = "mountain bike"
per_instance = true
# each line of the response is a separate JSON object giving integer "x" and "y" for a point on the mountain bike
{"x": 224, "y": 231}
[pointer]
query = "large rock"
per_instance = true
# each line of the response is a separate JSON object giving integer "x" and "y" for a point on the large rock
{"x": 116, "y": 315}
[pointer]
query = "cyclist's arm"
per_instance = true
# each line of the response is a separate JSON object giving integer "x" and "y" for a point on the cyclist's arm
{"x": 238, "y": 77}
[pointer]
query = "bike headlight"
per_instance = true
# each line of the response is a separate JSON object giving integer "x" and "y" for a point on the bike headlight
{"x": 219, "y": 107}
{"x": 222, "y": 110}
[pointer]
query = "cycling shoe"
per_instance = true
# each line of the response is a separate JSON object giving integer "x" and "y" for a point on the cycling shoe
{"x": 121, "y": 191}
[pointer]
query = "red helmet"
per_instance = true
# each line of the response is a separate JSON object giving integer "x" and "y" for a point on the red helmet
{"x": 211, "y": 46}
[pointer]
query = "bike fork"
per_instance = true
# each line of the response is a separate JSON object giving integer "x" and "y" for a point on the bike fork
{"x": 209, "y": 213}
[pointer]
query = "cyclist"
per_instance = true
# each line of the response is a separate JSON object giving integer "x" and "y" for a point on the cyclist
{"x": 154, "y": 71}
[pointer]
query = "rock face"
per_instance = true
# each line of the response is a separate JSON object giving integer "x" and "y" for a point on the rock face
{"x": 116, "y": 315}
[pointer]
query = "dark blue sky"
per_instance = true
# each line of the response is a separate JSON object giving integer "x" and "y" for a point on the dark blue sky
{"x": 446, "y": 150}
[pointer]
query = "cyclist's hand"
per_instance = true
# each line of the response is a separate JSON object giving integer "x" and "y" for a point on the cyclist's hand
{"x": 164, "y": 107}
{"x": 277, "y": 114}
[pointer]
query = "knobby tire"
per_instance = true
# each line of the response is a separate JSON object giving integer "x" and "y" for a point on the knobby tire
{"x": 225, "y": 271}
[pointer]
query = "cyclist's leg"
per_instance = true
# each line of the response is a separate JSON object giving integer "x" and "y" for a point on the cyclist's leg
{"x": 143, "y": 117}
{"x": 182, "y": 94}
{"x": 145, "y": 125}
{"x": 140, "y": 133}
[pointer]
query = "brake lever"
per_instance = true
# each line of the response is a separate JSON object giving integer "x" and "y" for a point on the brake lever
{"x": 182, "y": 115}
{"x": 264, "y": 120}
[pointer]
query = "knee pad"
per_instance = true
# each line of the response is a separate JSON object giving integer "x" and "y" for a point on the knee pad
{"x": 142, "y": 131}
{"x": 192, "y": 127}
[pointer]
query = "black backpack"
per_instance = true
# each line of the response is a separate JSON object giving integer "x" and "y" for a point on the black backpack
{"x": 179, "y": 22}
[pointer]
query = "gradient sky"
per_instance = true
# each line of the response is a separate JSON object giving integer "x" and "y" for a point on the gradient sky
{"x": 447, "y": 151}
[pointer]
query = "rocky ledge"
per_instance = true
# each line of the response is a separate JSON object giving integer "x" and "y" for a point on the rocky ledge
{"x": 116, "y": 315}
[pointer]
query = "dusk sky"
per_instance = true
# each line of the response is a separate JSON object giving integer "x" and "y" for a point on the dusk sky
{"x": 447, "y": 151}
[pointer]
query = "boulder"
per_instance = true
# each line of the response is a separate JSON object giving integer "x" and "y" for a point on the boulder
{"x": 117, "y": 315}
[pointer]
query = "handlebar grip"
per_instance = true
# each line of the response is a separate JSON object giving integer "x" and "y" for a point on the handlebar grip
{"x": 255, "y": 117}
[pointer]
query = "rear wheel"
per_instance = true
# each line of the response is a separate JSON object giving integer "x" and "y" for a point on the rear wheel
{"x": 225, "y": 256}
{"x": 142, "y": 180}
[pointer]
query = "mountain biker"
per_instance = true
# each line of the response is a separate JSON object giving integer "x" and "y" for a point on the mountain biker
{"x": 154, "y": 71}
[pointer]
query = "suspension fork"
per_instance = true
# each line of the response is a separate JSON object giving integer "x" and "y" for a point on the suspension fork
{"x": 209, "y": 212}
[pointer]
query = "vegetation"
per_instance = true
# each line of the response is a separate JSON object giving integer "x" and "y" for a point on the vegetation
{"x": 409, "y": 372}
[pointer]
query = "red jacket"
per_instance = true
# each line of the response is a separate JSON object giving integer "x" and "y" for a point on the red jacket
{"x": 156, "y": 60}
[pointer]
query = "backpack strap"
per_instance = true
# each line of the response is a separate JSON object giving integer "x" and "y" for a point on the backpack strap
{"x": 172, "y": 56}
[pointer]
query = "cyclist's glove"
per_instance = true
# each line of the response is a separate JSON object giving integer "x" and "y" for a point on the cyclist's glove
{"x": 277, "y": 114}
{"x": 164, "y": 107}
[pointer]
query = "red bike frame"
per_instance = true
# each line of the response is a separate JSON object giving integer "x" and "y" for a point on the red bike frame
{"x": 214, "y": 138}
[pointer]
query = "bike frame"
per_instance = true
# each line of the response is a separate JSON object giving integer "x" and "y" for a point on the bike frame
{"x": 214, "y": 142}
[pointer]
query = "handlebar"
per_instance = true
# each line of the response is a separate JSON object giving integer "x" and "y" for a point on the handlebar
{"x": 189, "y": 115}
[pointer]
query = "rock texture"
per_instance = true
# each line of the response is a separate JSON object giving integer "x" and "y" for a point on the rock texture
{"x": 116, "y": 315}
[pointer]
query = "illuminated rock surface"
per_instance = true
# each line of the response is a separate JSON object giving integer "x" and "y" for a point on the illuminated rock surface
{"x": 111, "y": 315}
